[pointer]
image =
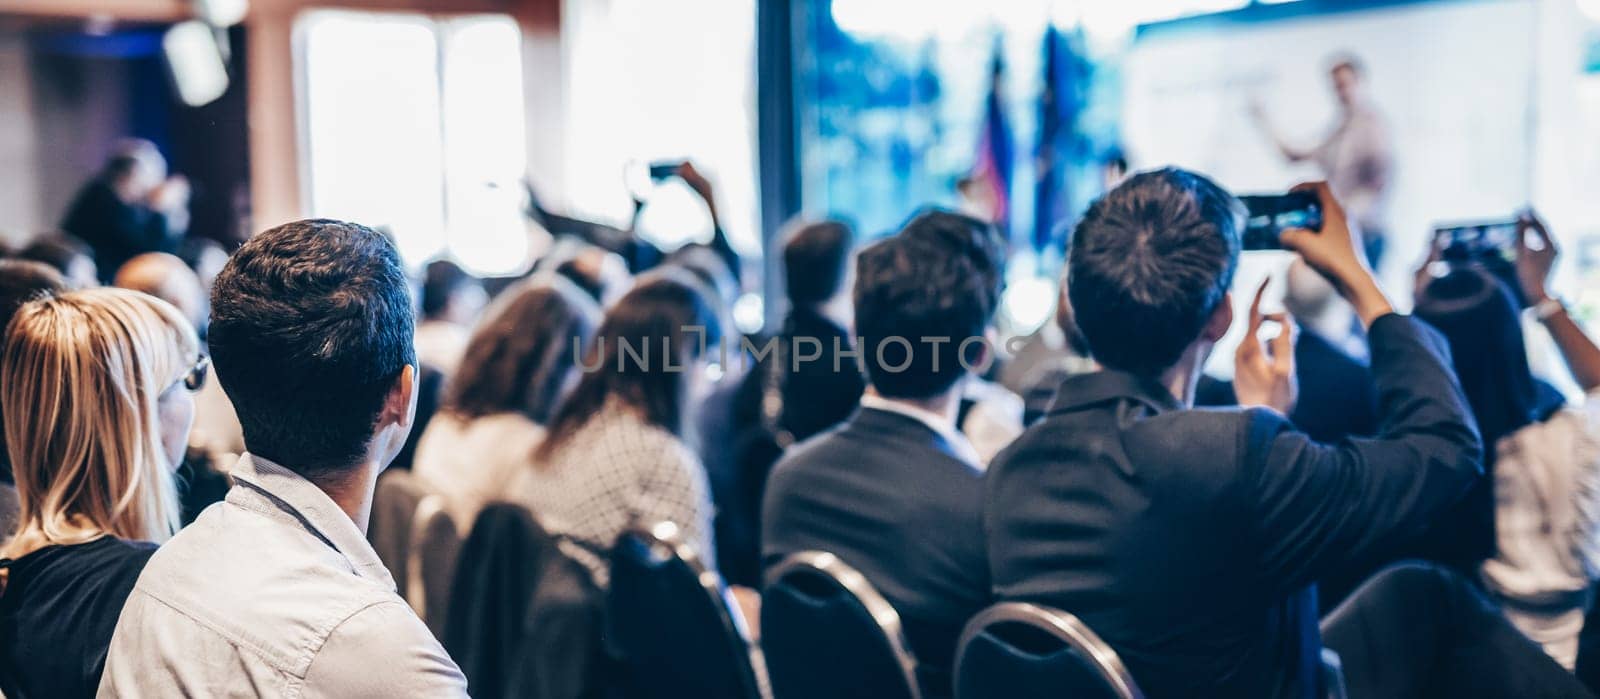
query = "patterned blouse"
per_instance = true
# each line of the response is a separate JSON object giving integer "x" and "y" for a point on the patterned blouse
{"x": 615, "y": 472}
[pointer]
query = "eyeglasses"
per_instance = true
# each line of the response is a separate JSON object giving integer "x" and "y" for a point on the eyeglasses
{"x": 196, "y": 378}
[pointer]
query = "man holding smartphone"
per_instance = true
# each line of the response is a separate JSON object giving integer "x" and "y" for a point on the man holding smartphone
{"x": 1190, "y": 540}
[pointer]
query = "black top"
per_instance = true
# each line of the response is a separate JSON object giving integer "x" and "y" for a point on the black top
{"x": 115, "y": 229}
{"x": 888, "y": 496}
{"x": 1190, "y": 539}
{"x": 57, "y": 612}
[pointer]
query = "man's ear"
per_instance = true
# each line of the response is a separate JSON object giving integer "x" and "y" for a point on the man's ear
{"x": 400, "y": 406}
{"x": 1221, "y": 319}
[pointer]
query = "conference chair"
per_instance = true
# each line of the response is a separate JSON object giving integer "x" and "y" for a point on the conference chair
{"x": 525, "y": 618}
{"x": 672, "y": 622}
{"x": 394, "y": 507}
{"x": 431, "y": 562}
{"x": 826, "y": 632}
{"x": 1020, "y": 651}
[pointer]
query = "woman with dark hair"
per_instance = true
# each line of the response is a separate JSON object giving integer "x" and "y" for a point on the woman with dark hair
{"x": 1530, "y": 525}
{"x": 517, "y": 366}
{"x": 616, "y": 454}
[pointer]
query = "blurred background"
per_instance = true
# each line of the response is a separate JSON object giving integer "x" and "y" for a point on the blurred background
{"x": 447, "y": 121}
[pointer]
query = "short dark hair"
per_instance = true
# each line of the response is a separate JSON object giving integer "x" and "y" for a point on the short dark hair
{"x": 1148, "y": 264}
{"x": 441, "y": 280}
{"x": 58, "y": 250}
{"x": 22, "y": 281}
{"x": 814, "y": 259}
{"x": 975, "y": 238}
{"x": 652, "y": 315}
{"x": 924, "y": 282}
{"x": 520, "y": 356}
{"x": 311, "y": 324}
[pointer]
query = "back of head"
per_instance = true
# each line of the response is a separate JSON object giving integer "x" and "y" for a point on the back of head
{"x": 165, "y": 277}
{"x": 83, "y": 373}
{"x": 641, "y": 353}
{"x": 923, "y": 299}
{"x": 21, "y": 281}
{"x": 711, "y": 269}
{"x": 1478, "y": 318}
{"x": 1149, "y": 263}
{"x": 815, "y": 261}
{"x": 524, "y": 350}
{"x": 441, "y": 281}
{"x": 311, "y": 325}
{"x": 71, "y": 257}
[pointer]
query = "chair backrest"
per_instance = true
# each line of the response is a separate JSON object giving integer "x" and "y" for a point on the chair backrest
{"x": 431, "y": 562}
{"x": 524, "y": 619}
{"x": 827, "y": 632}
{"x": 394, "y": 506}
{"x": 1020, "y": 651}
{"x": 672, "y": 623}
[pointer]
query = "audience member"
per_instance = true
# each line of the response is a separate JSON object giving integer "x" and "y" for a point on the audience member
{"x": 1534, "y": 518}
{"x": 615, "y": 455}
{"x": 807, "y": 384}
{"x": 68, "y": 255}
{"x": 131, "y": 207}
{"x": 21, "y": 281}
{"x": 451, "y": 301}
{"x": 846, "y": 490}
{"x": 216, "y": 438}
{"x": 1191, "y": 540}
{"x": 275, "y": 591}
{"x": 97, "y": 409}
{"x": 519, "y": 364}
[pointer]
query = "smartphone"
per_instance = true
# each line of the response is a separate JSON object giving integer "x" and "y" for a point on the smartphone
{"x": 1269, "y": 214}
{"x": 1477, "y": 241}
{"x": 664, "y": 170}
{"x": 1489, "y": 245}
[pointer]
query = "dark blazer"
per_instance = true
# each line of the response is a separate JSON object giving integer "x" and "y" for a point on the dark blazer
{"x": 1190, "y": 539}
{"x": 888, "y": 496}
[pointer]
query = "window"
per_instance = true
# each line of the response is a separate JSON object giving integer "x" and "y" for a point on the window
{"x": 415, "y": 124}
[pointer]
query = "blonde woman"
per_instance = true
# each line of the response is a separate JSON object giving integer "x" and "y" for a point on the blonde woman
{"x": 97, "y": 406}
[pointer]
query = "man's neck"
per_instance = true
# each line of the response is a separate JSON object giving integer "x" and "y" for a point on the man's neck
{"x": 353, "y": 493}
{"x": 1184, "y": 376}
{"x": 944, "y": 406}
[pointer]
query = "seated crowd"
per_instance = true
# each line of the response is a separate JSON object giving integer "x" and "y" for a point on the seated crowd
{"x": 1398, "y": 489}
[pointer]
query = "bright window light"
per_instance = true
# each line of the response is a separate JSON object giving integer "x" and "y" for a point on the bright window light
{"x": 416, "y": 126}
{"x": 372, "y": 117}
{"x": 639, "y": 91}
{"x": 485, "y": 154}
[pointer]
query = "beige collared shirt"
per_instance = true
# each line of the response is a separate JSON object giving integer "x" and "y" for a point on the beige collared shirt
{"x": 273, "y": 592}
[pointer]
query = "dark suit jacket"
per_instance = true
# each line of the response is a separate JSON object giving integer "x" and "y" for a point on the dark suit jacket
{"x": 1190, "y": 539}
{"x": 889, "y": 497}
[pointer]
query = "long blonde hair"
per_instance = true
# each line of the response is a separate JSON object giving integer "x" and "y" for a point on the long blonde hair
{"x": 82, "y": 373}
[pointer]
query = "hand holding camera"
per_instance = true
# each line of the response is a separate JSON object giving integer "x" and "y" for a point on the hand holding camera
{"x": 1334, "y": 253}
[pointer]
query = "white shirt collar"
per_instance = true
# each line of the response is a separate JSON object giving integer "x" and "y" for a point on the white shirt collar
{"x": 934, "y": 421}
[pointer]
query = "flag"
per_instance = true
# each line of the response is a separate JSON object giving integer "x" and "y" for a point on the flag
{"x": 991, "y": 171}
{"x": 1061, "y": 145}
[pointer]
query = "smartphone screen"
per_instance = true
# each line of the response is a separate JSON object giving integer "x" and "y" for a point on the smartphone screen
{"x": 1269, "y": 215}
